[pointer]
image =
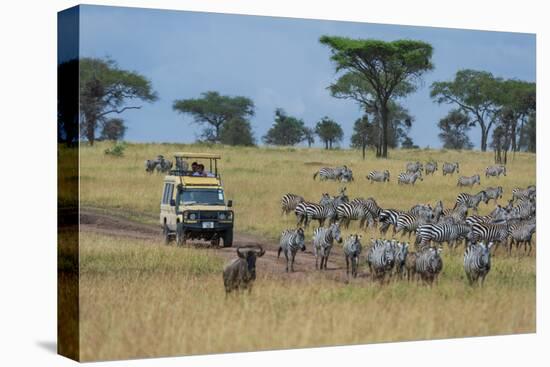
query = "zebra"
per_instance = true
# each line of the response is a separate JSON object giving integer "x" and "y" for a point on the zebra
{"x": 329, "y": 173}
{"x": 346, "y": 212}
{"x": 181, "y": 165}
{"x": 495, "y": 171}
{"x": 468, "y": 181}
{"x": 371, "y": 205}
{"x": 289, "y": 202}
{"x": 408, "y": 223}
{"x": 521, "y": 233}
{"x": 346, "y": 176}
{"x": 379, "y": 176}
{"x": 291, "y": 241}
{"x": 494, "y": 193}
{"x": 409, "y": 178}
{"x": 525, "y": 209}
{"x": 325, "y": 199}
{"x": 498, "y": 215}
{"x": 410, "y": 265}
{"x": 164, "y": 165}
{"x": 413, "y": 167}
{"x": 306, "y": 211}
{"x": 429, "y": 264}
{"x": 352, "y": 250}
{"x": 488, "y": 232}
{"x": 450, "y": 168}
{"x": 323, "y": 239}
{"x": 522, "y": 194}
{"x": 380, "y": 259}
{"x": 477, "y": 262}
{"x": 387, "y": 218}
{"x": 455, "y": 215}
{"x": 471, "y": 201}
{"x": 150, "y": 165}
{"x": 431, "y": 167}
{"x": 442, "y": 232}
{"x": 423, "y": 211}
{"x": 400, "y": 252}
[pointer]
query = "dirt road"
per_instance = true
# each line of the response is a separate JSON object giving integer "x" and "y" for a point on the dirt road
{"x": 96, "y": 221}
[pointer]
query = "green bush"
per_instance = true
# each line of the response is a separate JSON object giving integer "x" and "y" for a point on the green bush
{"x": 117, "y": 150}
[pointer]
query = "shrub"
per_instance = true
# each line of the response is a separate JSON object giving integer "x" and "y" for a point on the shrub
{"x": 117, "y": 150}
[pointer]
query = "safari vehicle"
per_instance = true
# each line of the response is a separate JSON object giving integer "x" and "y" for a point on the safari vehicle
{"x": 194, "y": 207}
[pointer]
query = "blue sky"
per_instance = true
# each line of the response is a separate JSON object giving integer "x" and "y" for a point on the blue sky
{"x": 277, "y": 62}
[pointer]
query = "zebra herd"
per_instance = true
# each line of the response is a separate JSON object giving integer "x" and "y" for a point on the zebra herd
{"x": 163, "y": 165}
{"x": 432, "y": 226}
{"x": 413, "y": 172}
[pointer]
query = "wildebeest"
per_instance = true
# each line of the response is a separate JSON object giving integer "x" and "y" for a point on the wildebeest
{"x": 240, "y": 273}
{"x": 468, "y": 181}
{"x": 150, "y": 165}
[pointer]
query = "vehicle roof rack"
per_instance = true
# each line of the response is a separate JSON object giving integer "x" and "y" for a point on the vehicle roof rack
{"x": 198, "y": 155}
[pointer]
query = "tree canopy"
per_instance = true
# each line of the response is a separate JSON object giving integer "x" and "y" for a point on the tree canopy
{"x": 389, "y": 69}
{"x": 454, "y": 130}
{"x": 113, "y": 129}
{"x": 214, "y": 110}
{"x": 329, "y": 131}
{"x": 286, "y": 130}
{"x": 237, "y": 131}
{"x": 106, "y": 89}
{"x": 363, "y": 134}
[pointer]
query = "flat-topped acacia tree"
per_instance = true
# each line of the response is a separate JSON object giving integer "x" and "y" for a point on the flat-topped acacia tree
{"x": 385, "y": 66}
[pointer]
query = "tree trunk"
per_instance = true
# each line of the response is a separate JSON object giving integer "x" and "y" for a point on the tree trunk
{"x": 364, "y": 151}
{"x": 326, "y": 144}
{"x": 483, "y": 138}
{"x": 384, "y": 116}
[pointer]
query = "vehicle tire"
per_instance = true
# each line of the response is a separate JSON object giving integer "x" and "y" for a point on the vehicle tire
{"x": 180, "y": 236}
{"x": 166, "y": 234}
{"x": 228, "y": 238}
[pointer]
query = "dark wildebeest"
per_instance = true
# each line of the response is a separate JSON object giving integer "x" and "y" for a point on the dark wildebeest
{"x": 240, "y": 273}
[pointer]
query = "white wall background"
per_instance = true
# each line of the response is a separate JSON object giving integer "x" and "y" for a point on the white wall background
{"x": 27, "y": 144}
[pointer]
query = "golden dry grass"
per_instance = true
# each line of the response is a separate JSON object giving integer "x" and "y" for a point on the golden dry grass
{"x": 141, "y": 299}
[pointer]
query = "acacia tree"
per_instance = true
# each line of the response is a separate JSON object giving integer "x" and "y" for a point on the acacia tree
{"x": 237, "y": 131}
{"x": 113, "y": 129}
{"x": 475, "y": 93}
{"x": 286, "y": 130}
{"x": 389, "y": 69}
{"x": 309, "y": 136}
{"x": 454, "y": 130}
{"x": 106, "y": 89}
{"x": 214, "y": 110}
{"x": 329, "y": 132}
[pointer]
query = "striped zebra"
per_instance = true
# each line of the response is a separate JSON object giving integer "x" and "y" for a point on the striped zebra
{"x": 521, "y": 233}
{"x": 429, "y": 264}
{"x": 468, "y": 180}
{"x": 477, "y": 262}
{"x": 400, "y": 252}
{"x": 494, "y": 193}
{"x": 525, "y": 209}
{"x": 317, "y": 212}
{"x": 323, "y": 240}
{"x": 455, "y": 215}
{"x": 408, "y": 223}
{"x": 450, "y": 168}
{"x": 409, "y": 178}
{"x": 442, "y": 232}
{"x": 488, "y": 232}
{"x": 289, "y": 202}
{"x": 423, "y": 211}
{"x": 379, "y": 176}
{"x": 413, "y": 167}
{"x": 329, "y": 173}
{"x": 495, "y": 171}
{"x": 387, "y": 218}
{"x": 346, "y": 212}
{"x": 346, "y": 176}
{"x": 431, "y": 167}
{"x": 325, "y": 199}
{"x": 498, "y": 215}
{"x": 522, "y": 194}
{"x": 371, "y": 205}
{"x": 380, "y": 259}
{"x": 352, "y": 250}
{"x": 471, "y": 201}
{"x": 410, "y": 266}
{"x": 291, "y": 241}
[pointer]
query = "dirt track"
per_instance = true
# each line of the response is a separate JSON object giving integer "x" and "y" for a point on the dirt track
{"x": 118, "y": 226}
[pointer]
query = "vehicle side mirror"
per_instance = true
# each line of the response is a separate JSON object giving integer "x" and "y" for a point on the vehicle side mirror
{"x": 173, "y": 202}
{"x": 229, "y": 203}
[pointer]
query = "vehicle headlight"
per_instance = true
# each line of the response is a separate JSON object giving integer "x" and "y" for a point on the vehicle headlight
{"x": 192, "y": 216}
{"x": 222, "y": 216}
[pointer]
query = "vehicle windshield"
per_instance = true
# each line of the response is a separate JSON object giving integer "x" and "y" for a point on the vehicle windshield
{"x": 202, "y": 197}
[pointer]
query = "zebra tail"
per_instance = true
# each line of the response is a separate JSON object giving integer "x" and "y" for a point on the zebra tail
{"x": 315, "y": 175}
{"x": 279, "y": 251}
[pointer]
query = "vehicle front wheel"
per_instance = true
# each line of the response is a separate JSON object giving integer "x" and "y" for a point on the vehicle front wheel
{"x": 228, "y": 238}
{"x": 180, "y": 236}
